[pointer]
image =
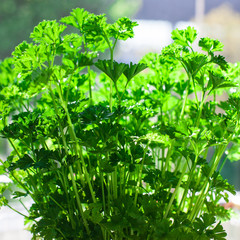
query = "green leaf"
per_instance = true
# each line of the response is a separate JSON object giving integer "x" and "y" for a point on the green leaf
{"x": 233, "y": 154}
{"x": 48, "y": 32}
{"x": 174, "y": 51}
{"x": 77, "y": 18}
{"x": 68, "y": 63}
{"x": 184, "y": 37}
{"x": 195, "y": 62}
{"x": 92, "y": 27}
{"x": 122, "y": 29}
{"x": 24, "y": 163}
{"x": 217, "y": 233}
{"x": 71, "y": 43}
{"x": 21, "y": 48}
{"x": 220, "y": 61}
{"x": 85, "y": 59}
{"x": 155, "y": 138}
{"x": 18, "y": 194}
{"x": 95, "y": 28}
{"x": 29, "y": 57}
{"x": 133, "y": 69}
{"x": 94, "y": 213}
{"x": 96, "y": 114}
{"x": 233, "y": 102}
{"x": 217, "y": 81}
{"x": 7, "y": 74}
{"x": 3, "y": 201}
{"x": 113, "y": 69}
{"x": 210, "y": 45}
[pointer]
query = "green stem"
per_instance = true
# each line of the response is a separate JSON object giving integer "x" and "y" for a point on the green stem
{"x": 162, "y": 158}
{"x": 109, "y": 192}
{"x": 200, "y": 110}
{"x": 115, "y": 185}
{"x": 111, "y": 49}
{"x": 119, "y": 98}
{"x": 103, "y": 193}
{"x": 61, "y": 233}
{"x": 140, "y": 174}
{"x": 90, "y": 86}
{"x": 223, "y": 163}
{"x": 175, "y": 173}
{"x": 24, "y": 205}
{"x": 214, "y": 99}
{"x": 199, "y": 202}
{"x": 78, "y": 200}
{"x": 110, "y": 96}
{"x": 70, "y": 168}
{"x": 60, "y": 125}
{"x": 184, "y": 101}
{"x": 14, "y": 147}
{"x": 12, "y": 173}
{"x": 199, "y": 177}
{"x": 190, "y": 176}
{"x": 169, "y": 154}
{"x": 195, "y": 91}
{"x": 18, "y": 211}
{"x": 111, "y": 83}
{"x": 176, "y": 190}
{"x": 63, "y": 178}
{"x": 78, "y": 148}
{"x": 58, "y": 204}
{"x": 22, "y": 185}
{"x": 80, "y": 173}
{"x": 201, "y": 197}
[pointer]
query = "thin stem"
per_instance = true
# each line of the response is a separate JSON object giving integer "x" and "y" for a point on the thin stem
{"x": 22, "y": 185}
{"x": 190, "y": 176}
{"x": 169, "y": 154}
{"x": 109, "y": 191}
{"x": 20, "y": 200}
{"x": 90, "y": 86}
{"x": 103, "y": 193}
{"x": 78, "y": 200}
{"x": 61, "y": 233}
{"x": 200, "y": 111}
{"x": 176, "y": 189}
{"x": 58, "y": 204}
{"x": 14, "y": 147}
{"x": 119, "y": 98}
{"x": 66, "y": 186}
{"x": 223, "y": 163}
{"x": 140, "y": 174}
{"x": 17, "y": 211}
{"x": 184, "y": 101}
{"x": 206, "y": 185}
{"x": 175, "y": 173}
{"x": 78, "y": 148}
{"x": 115, "y": 185}
{"x": 60, "y": 125}
{"x": 199, "y": 178}
{"x": 110, "y": 97}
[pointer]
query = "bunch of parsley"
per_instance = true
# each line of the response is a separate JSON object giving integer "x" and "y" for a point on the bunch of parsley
{"x": 124, "y": 153}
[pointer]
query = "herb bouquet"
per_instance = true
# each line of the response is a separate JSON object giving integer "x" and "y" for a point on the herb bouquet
{"x": 134, "y": 152}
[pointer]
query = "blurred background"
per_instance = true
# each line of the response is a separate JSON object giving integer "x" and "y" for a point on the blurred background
{"x": 219, "y": 19}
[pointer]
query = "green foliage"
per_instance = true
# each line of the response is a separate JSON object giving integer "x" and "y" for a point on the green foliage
{"x": 19, "y": 17}
{"x": 122, "y": 154}
{"x": 210, "y": 45}
{"x": 113, "y": 69}
{"x": 184, "y": 37}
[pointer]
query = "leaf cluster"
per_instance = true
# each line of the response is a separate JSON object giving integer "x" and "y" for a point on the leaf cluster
{"x": 124, "y": 154}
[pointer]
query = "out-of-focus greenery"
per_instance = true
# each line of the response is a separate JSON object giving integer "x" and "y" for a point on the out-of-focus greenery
{"x": 18, "y": 17}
